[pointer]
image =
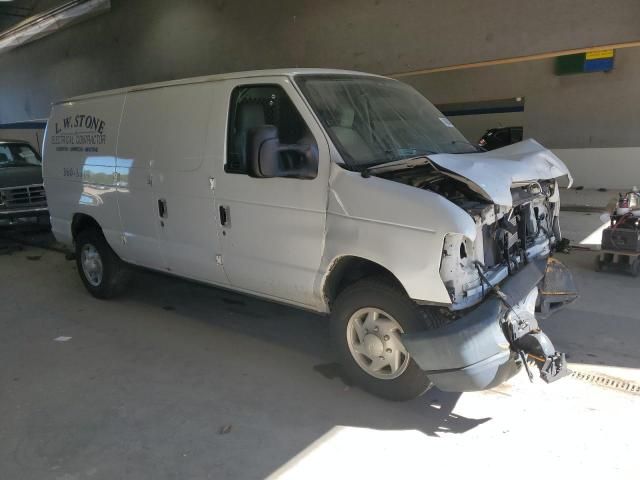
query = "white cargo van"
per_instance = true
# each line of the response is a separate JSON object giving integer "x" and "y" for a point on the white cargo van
{"x": 339, "y": 192}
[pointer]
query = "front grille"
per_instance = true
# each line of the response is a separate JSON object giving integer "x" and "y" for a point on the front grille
{"x": 23, "y": 197}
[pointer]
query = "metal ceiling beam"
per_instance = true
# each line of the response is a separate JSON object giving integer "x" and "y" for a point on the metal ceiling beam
{"x": 45, "y": 23}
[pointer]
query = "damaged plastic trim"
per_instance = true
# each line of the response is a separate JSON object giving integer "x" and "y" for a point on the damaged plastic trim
{"x": 486, "y": 346}
{"x": 506, "y": 240}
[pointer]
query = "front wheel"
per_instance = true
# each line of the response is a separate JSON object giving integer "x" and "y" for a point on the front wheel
{"x": 102, "y": 272}
{"x": 367, "y": 321}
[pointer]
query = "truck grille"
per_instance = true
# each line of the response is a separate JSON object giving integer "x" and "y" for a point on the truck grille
{"x": 23, "y": 197}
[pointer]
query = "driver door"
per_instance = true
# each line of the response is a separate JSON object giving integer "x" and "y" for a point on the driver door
{"x": 272, "y": 228}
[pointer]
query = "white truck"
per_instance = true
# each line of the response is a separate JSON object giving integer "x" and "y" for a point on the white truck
{"x": 339, "y": 192}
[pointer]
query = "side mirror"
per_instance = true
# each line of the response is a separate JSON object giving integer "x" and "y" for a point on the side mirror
{"x": 263, "y": 151}
{"x": 265, "y": 160}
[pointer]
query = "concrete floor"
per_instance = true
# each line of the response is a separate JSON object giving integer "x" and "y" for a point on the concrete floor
{"x": 176, "y": 380}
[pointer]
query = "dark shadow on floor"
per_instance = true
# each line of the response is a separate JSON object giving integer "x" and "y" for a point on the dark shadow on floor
{"x": 18, "y": 236}
{"x": 297, "y": 330}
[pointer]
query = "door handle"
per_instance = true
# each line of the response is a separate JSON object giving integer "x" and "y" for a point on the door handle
{"x": 225, "y": 221}
{"x": 162, "y": 208}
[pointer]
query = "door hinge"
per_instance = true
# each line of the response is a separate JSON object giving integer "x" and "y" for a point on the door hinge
{"x": 212, "y": 183}
{"x": 219, "y": 259}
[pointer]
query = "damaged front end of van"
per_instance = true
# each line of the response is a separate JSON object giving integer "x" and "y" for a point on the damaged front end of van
{"x": 468, "y": 234}
{"x": 499, "y": 278}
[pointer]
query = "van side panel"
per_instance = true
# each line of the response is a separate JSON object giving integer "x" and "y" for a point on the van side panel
{"x": 184, "y": 168}
{"x": 138, "y": 146}
{"x": 79, "y": 165}
{"x": 164, "y": 157}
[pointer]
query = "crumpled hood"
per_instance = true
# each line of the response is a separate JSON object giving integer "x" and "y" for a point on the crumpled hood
{"x": 492, "y": 173}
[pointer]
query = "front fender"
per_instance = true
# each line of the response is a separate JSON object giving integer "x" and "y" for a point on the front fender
{"x": 396, "y": 226}
{"x": 415, "y": 262}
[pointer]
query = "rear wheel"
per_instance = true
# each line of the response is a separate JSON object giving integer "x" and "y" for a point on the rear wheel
{"x": 104, "y": 275}
{"x": 368, "y": 319}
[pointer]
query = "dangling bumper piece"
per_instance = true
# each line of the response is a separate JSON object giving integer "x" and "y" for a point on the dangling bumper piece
{"x": 489, "y": 345}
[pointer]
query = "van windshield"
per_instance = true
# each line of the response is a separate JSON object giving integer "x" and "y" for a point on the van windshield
{"x": 18, "y": 155}
{"x": 375, "y": 120}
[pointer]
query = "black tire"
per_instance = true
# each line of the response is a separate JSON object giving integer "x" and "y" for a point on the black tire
{"x": 383, "y": 294}
{"x": 115, "y": 273}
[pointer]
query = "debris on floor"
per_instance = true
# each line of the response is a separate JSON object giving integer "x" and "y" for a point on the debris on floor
{"x": 62, "y": 339}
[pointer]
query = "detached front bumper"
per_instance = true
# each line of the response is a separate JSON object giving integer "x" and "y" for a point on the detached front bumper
{"x": 488, "y": 346}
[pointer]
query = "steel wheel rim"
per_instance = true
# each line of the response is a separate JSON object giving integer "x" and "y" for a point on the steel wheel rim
{"x": 373, "y": 337}
{"x": 91, "y": 264}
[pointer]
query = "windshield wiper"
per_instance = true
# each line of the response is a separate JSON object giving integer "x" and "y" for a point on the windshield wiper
{"x": 402, "y": 164}
{"x": 477, "y": 148}
{"x": 410, "y": 152}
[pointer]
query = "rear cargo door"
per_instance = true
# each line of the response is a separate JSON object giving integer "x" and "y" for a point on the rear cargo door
{"x": 79, "y": 165}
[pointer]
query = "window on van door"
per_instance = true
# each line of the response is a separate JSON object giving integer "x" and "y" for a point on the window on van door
{"x": 256, "y": 105}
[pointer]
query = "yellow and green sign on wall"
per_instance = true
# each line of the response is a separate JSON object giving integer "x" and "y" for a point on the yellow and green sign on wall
{"x": 587, "y": 62}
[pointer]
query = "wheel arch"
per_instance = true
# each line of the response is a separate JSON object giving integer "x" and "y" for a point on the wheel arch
{"x": 348, "y": 269}
{"x": 82, "y": 221}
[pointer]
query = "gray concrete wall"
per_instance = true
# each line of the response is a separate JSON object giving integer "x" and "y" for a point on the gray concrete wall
{"x": 141, "y": 41}
{"x": 475, "y": 126}
{"x": 592, "y": 110}
{"x": 591, "y": 121}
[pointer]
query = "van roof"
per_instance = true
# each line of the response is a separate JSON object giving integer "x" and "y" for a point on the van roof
{"x": 289, "y": 72}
